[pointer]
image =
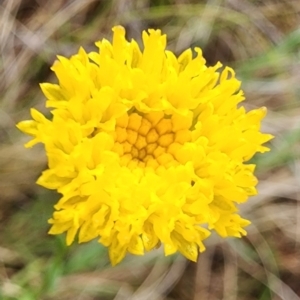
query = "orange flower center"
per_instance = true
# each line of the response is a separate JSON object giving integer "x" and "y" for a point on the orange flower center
{"x": 150, "y": 140}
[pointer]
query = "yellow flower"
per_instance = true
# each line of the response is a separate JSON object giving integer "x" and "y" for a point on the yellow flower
{"x": 146, "y": 148}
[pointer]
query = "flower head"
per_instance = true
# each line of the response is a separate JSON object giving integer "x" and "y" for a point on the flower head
{"x": 146, "y": 148}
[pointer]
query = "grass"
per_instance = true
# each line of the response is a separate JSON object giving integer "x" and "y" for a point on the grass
{"x": 260, "y": 39}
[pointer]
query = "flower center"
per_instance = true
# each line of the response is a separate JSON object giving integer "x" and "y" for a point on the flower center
{"x": 148, "y": 140}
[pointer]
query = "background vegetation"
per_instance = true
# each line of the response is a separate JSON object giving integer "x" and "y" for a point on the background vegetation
{"x": 260, "y": 40}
